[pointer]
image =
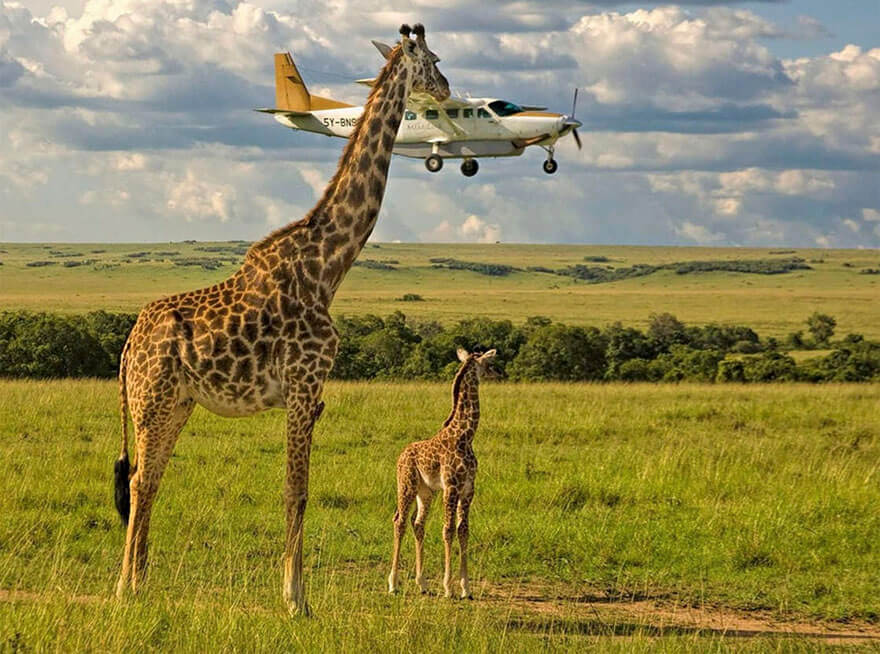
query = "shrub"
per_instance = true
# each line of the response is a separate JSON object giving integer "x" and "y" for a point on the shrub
{"x": 625, "y": 344}
{"x": 768, "y": 367}
{"x": 666, "y": 330}
{"x": 43, "y": 345}
{"x": 559, "y": 352}
{"x": 372, "y": 264}
{"x": 731, "y": 370}
{"x": 821, "y": 326}
{"x": 492, "y": 269}
{"x": 411, "y": 297}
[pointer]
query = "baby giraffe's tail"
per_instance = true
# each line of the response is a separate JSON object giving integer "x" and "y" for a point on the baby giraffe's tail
{"x": 122, "y": 467}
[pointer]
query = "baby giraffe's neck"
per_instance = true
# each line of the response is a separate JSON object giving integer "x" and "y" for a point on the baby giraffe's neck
{"x": 465, "y": 416}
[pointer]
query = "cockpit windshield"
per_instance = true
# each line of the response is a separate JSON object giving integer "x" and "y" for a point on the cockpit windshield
{"x": 504, "y": 108}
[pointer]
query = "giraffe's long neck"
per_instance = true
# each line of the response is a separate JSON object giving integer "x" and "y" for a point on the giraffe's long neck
{"x": 323, "y": 246}
{"x": 465, "y": 416}
{"x": 345, "y": 216}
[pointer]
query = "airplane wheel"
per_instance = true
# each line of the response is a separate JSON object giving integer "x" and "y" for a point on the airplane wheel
{"x": 434, "y": 163}
{"x": 550, "y": 166}
{"x": 469, "y": 167}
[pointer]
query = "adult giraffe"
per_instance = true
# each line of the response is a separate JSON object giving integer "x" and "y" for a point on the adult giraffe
{"x": 262, "y": 338}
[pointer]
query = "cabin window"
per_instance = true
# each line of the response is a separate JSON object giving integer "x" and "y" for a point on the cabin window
{"x": 452, "y": 113}
{"x": 409, "y": 115}
{"x": 482, "y": 113}
{"x": 503, "y": 108}
{"x": 432, "y": 114}
{"x": 467, "y": 113}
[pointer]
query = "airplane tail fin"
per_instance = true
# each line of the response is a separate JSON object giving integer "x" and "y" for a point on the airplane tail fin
{"x": 291, "y": 92}
{"x": 290, "y": 89}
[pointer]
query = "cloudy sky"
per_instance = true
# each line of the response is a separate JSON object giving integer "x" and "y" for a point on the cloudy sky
{"x": 705, "y": 123}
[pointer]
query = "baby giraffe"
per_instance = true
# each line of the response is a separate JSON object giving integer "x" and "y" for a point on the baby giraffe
{"x": 445, "y": 462}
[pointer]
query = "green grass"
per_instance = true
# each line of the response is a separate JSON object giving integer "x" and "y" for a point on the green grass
{"x": 772, "y": 304}
{"x": 746, "y": 498}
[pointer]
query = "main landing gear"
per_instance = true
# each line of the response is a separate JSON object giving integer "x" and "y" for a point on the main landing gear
{"x": 469, "y": 167}
{"x": 434, "y": 163}
{"x": 550, "y": 166}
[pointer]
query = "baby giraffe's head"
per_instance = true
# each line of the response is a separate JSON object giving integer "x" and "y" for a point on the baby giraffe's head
{"x": 479, "y": 360}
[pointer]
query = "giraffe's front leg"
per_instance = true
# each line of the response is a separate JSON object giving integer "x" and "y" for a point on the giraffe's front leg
{"x": 463, "y": 528}
{"x": 302, "y": 412}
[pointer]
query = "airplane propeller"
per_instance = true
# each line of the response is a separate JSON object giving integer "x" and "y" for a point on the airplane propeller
{"x": 572, "y": 122}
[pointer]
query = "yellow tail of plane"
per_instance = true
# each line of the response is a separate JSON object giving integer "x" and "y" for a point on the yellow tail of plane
{"x": 291, "y": 93}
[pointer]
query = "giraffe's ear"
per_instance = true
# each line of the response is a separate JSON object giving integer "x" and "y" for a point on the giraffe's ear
{"x": 384, "y": 48}
{"x": 462, "y": 354}
{"x": 486, "y": 356}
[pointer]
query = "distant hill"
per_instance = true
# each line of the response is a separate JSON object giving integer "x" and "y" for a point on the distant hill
{"x": 771, "y": 290}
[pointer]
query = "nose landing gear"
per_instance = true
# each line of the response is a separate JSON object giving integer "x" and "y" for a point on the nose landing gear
{"x": 550, "y": 166}
{"x": 469, "y": 167}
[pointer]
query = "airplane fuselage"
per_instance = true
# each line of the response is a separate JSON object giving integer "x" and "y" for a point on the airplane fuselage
{"x": 476, "y": 131}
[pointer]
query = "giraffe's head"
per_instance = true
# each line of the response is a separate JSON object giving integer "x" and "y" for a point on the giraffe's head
{"x": 477, "y": 359}
{"x": 426, "y": 78}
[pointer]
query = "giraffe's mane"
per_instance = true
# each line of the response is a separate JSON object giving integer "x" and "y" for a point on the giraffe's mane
{"x": 393, "y": 58}
{"x": 456, "y": 389}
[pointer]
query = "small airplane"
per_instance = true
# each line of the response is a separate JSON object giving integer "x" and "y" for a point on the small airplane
{"x": 457, "y": 128}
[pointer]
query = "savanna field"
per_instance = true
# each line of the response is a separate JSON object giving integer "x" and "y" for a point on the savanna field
{"x": 619, "y": 517}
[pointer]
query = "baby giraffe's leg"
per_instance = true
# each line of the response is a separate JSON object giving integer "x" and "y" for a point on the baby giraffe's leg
{"x": 450, "y": 503}
{"x": 423, "y": 501}
{"x": 406, "y": 493}
{"x": 464, "y": 506}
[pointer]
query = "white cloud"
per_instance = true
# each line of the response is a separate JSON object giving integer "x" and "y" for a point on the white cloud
{"x": 871, "y": 215}
{"x": 130, "y": 161}
{"x": 473, "y": 230}
{"x": 316, "y": 179}
{"x": 199, "y": 199}
{"x": 852, "y": 224}
{"x": 698, "y": 233}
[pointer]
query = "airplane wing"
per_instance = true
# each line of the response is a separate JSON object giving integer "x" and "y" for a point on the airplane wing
{"x": 419, "y": 102}
{"x": 423, "y": 100}
{"x": 286, "y": 112}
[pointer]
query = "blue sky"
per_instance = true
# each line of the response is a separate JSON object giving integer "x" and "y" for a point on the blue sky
{"x": 706, "y": 123}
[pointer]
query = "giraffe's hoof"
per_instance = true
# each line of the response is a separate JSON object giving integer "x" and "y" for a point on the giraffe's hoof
{"x": 467, "y": 596}
{"x": 297, "y": 610}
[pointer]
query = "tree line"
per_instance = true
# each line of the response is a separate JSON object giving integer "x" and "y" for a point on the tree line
{"x": 48, "y": 345}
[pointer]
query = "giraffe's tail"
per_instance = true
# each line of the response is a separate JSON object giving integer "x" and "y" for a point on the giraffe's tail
{"x": 122, "y": 467}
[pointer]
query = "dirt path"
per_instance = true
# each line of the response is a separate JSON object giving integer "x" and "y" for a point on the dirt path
{"x": 542, "y": 607}
{"x": 537, "y": 607}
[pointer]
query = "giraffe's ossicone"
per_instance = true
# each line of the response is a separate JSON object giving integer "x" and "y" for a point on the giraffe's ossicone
{"x": 262, "y": 338}
{"x": 444, "y": 463}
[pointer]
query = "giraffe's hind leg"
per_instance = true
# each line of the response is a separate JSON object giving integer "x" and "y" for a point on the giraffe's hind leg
{"x": 423, "y": 500}
{"x": 155, "y": 439}
{"x": 407, "y": 484}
